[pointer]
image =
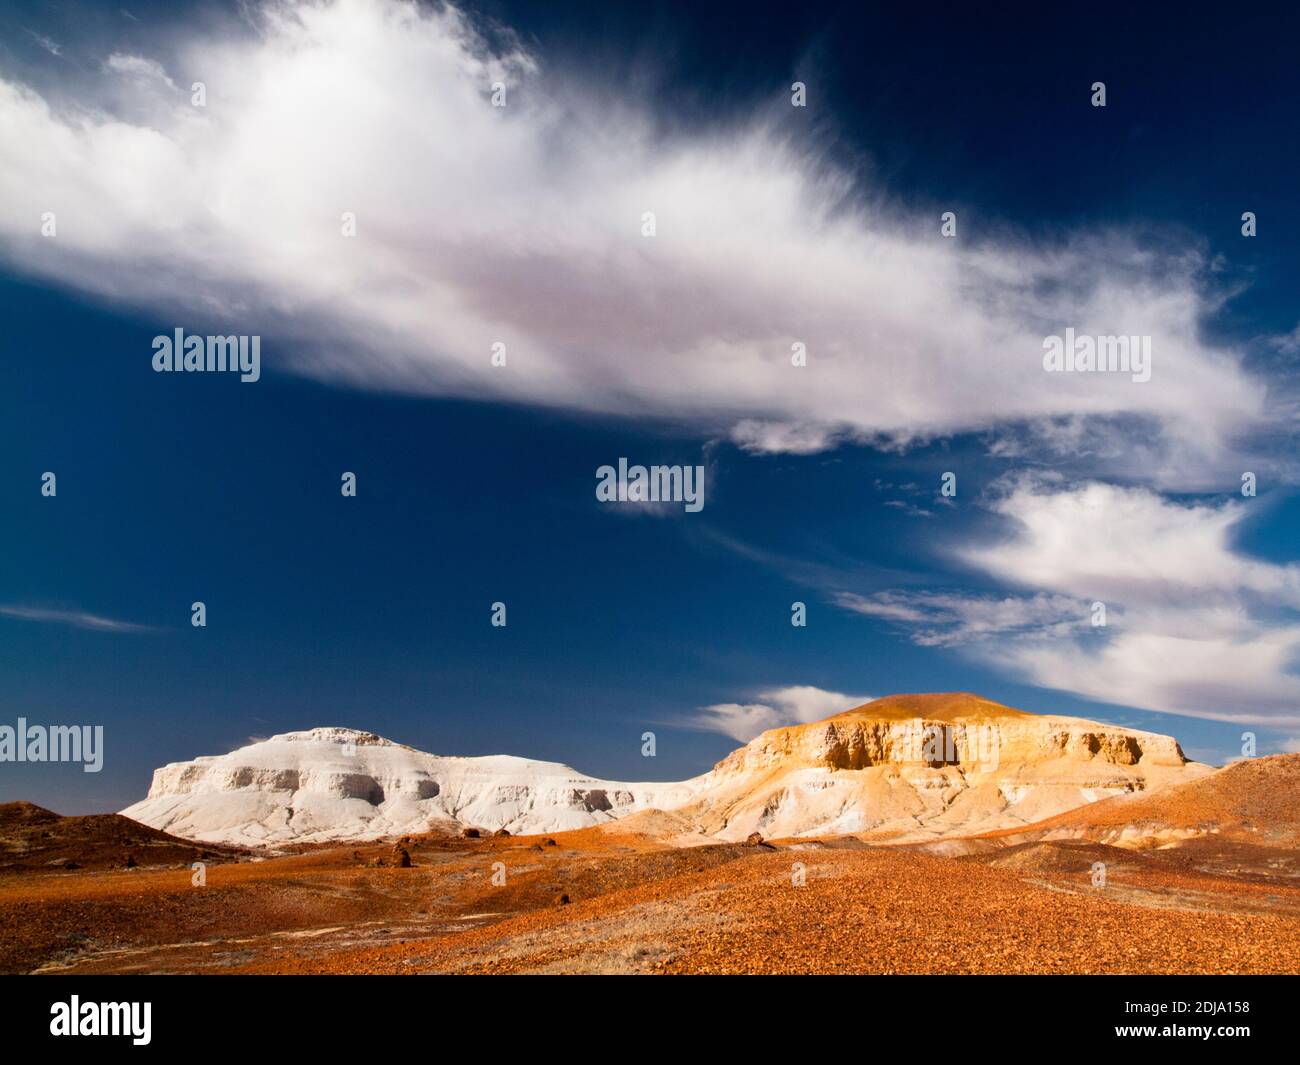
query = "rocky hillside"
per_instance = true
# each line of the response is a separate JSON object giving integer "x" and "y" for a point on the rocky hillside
{"x": 1256, "y": 800}
{"x": 34, "y": 838}
{"x": 908, "y": 767}
{"x": 341, "y": 784}
{"x": 912, "y": 767}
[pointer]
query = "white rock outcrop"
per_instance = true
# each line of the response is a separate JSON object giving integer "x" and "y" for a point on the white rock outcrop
{"x": 341, "y": 784}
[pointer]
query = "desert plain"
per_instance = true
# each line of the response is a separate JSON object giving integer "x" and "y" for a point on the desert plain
{"x": 626, "y": 897}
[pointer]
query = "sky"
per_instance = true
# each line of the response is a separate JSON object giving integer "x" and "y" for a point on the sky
{"x": 133, "y": 204}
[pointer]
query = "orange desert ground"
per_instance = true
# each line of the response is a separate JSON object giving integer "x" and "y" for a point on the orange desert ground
{"x": 915, "y": 834}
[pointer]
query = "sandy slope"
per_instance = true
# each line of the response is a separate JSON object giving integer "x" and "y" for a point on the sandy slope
{"x": 1254, "y": 801}
{"x": 632, "y": 908}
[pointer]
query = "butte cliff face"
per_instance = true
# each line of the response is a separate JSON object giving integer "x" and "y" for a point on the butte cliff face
{"x": 912, "y": 767}
{"x": 907, "y": 767}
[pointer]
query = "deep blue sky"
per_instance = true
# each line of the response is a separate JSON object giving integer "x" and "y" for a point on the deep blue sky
{"x": 373, "y": 612}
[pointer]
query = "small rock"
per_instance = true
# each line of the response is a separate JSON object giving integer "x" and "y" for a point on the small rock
{"x": 501, "y": 832}
{"x": 401, "y": 858}
{"x": 548, "y": 842}
{"x": 469, "y": 833}
{"x": 754, "y": 839}
{"x": 561, "y": 900}
{"x": 130, "y": 861}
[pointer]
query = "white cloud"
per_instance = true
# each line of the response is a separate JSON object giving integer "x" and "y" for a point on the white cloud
{"x": 77, "y": 619}
{"x": 1246, "y": 675}
{"x": 790, "y": 438}
{"x": 1194, "y": 625}
{"x": 522, "y": 224}
{"x": 138, "y": 67}
{"x": 1103, "y": 541}
{"x": 948, "y": 619}
{"x": 794, "y": 705}
{"x": 48, "y": 43}
{"x": 1288, "y": 343}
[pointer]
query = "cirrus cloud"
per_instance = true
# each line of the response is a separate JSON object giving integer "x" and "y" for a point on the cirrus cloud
{"x": 522, "y": 225}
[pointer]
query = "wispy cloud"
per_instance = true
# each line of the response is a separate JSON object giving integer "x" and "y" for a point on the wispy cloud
{"x": 77, "y": 619}
{"x": 48, "y": 43}
{"x": 945, "y": 619}
{"x": 534, "y": 239}
{"x": 1193, "y": 625}
{"x": 794, "y": 705}
{"x": 139, "y": 68}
